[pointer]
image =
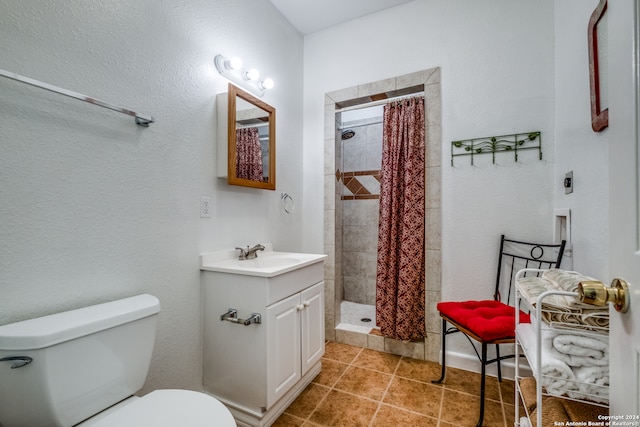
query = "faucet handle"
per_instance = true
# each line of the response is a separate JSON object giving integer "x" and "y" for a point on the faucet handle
{"x": 243, "y": 253}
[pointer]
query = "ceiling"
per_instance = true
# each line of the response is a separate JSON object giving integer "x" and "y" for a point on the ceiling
{"x": 309, "y": 16}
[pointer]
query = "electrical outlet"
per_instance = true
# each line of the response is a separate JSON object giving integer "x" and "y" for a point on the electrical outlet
{"x": 205, "y": 207}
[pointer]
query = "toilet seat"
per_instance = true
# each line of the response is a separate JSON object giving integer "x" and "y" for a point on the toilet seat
{"x": 165, "y": 408}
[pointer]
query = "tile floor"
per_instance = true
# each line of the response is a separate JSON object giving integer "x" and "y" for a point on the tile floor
{"x": 363, "y": 387}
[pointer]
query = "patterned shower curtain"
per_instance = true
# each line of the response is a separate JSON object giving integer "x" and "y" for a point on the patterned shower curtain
{"x": 400, "y": 282}
{"x": 248, "y": 154}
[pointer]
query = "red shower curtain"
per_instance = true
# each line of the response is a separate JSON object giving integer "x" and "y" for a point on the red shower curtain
{"x": 248, "y": 154}
{"x": 400, "y": 283}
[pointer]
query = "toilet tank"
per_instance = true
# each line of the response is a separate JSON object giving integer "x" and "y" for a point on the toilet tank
{"x": 83, "y": 361}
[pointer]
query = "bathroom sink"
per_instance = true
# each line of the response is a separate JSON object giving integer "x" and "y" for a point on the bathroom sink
{"x": 276, "y": 260}
{"x": 267, "y": 264}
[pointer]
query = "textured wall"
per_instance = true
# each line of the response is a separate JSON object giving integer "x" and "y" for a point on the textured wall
{"x": 93, "y": 207}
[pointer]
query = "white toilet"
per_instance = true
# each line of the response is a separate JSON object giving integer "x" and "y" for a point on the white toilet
{"x": 82, "y": 367}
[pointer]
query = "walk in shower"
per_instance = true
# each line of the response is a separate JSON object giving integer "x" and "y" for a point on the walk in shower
{"x": 360, "y": 154}
{"x": 351, "y": 215}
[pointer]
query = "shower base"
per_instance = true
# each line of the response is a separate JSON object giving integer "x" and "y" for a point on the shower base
{"x": 357, "y": 317}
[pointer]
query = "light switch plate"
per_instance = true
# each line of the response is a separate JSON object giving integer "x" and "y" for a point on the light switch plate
{"x": 568, "y": 182}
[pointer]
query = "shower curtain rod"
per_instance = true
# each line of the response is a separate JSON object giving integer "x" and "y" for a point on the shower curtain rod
{"x": 380, "y": 102}
{"x": 141, "y": 119}
{"x": 346, "y": 126}
{"x": 255, "y": 125}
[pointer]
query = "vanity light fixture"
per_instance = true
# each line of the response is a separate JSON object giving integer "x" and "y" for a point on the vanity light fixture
{"x": 234, "y": 63}
{"x": 266, "y": 84}
{"x": 247, "y": 79}
{"x": 252, "y": 74}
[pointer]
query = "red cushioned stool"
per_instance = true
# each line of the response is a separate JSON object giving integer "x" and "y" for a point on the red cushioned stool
{"x": 493, "y": 321}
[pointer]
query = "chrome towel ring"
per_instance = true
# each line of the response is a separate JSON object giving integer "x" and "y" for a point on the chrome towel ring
{"x": 287, "y": 203}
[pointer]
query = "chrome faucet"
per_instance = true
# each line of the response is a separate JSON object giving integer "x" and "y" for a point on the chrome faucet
{"x": 250, "y": 253}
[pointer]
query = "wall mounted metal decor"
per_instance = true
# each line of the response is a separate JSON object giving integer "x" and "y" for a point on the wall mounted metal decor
{"x": 495, "y": 144}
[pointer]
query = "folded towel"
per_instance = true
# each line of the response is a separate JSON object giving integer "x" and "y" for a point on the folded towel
{"x": 585, "y": 319}
{"x": 556, "y": 375}
{"x": 580, "y": 350}
{"x": 565, "y": 280}
{"x": 561, "y": 308}
{"x": 593, "y": 383}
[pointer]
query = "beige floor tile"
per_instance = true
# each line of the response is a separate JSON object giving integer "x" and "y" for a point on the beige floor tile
{"x": 340, "y": 409}
{"x": 286, "y": 420}
{"x": 304, "y": 405}
{"x": 364, "y": 387}
{"x": 508, "y": 392}
{"x": 331, "y": 372}
{"x": 414, "y": 396}
{"x": 510, "y": 412}
{"x": 390, "y": 416}
{"x": 364, "y": 382}
{"x": 341, "y": 352}
{"x": 419, "y": 370}
{"x": 383, "y": 362}
{"x": 469, "y": 382}
{"x": 463, "y": 409}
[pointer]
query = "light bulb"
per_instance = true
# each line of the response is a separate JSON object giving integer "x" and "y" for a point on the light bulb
{"x": 252, "y": 74}
{"x": 266, "y": 84}
{"x": 234, "y": 63}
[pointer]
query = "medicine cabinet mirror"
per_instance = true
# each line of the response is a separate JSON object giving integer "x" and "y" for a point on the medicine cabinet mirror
{"x": 251, "y": 141}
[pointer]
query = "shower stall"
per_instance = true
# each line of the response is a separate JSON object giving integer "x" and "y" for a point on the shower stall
{"x": 350, "y": 269}
{"x": 358, "y": 157}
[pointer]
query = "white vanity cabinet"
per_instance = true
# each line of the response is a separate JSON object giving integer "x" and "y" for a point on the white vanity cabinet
{"x": 258, "y": 369}
{"x": 295, "y": 339}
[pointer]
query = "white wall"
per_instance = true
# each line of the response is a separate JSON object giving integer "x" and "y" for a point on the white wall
{"x": 497, "y": 69}
{"x": 578, "y": 147}
{"x": 93, "y": 207}
{"x": 507, "y": 66}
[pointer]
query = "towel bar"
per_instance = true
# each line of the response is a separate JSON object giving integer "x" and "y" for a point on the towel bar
{"x": 141, "y": 119}
{"x": 232, "y": 316}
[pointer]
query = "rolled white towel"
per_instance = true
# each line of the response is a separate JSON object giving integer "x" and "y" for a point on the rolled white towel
{"x": 556, "y": 375}
{"x": 593, "y": 383}
{"x": 581, "y": 350}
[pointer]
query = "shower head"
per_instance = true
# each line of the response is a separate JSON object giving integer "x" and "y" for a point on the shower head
{"x": 347, "y": 134}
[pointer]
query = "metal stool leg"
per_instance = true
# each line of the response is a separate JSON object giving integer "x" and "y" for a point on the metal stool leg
{"x": 498, "y": 362}
{"x": 444, "y": 353}
{"x": 482, "y": 384}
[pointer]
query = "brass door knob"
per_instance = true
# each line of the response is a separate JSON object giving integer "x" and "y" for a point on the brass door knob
{"x": 597, "y": 293}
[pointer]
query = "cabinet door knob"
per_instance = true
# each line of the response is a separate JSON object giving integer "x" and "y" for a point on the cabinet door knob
{"x": 306, "y": 304}
{"x": 300, "y": 307}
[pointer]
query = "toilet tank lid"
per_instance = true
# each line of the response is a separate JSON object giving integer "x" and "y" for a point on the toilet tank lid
{"x": 53, "y": 329}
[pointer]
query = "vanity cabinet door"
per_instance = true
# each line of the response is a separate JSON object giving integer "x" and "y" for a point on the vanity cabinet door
{"x": 283, "y": 347}
{"x": 312, "y": 318}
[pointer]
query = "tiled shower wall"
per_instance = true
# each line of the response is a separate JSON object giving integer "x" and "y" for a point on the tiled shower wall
{"x": 335, "y": 217}
{"x": 361, "y": 159}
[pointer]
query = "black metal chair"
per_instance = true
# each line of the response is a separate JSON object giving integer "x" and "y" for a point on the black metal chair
{"x": 493, "y": 321}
